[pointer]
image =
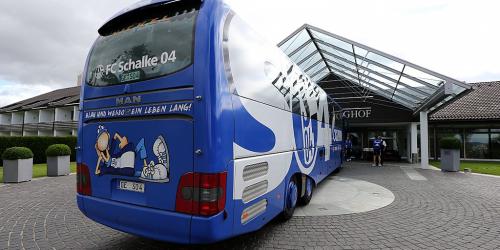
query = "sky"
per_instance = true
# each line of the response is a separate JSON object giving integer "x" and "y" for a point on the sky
{"x": 44, "y": 44}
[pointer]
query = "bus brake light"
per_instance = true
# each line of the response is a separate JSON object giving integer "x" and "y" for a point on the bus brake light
{"x": 83, "y": 186}
{"x": 201, "y": 194}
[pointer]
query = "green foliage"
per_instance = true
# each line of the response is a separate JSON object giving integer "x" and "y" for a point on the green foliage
{"x": 492, "y": 168}
{"x": 450, "y": 143}
{"x": 38, "y": 145}
{"x": 16, "y": 153}
{"x": 58, "y": 150}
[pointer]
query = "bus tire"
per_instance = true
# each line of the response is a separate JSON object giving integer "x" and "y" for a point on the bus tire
{"x": 291, "y": 197}
{"x": 308, "y": 194}
{"x": 337, "y": 170}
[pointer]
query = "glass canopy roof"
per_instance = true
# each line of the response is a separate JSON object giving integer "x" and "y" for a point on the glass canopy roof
{"x": 320, "y": 53}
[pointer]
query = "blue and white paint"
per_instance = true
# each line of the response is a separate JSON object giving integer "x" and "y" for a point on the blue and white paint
{"x": 241, "y": 110}
{"x": 281, "y": 116}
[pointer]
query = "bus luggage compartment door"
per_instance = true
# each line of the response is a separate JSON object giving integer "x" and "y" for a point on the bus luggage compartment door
{"x": 139, "y": 161}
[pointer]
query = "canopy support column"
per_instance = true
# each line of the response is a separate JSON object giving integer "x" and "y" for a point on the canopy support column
{"x": 414, "y": 142}
{"x": 424, "y": 139}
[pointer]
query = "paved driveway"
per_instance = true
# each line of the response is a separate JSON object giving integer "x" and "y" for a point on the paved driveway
{"x": 431, "y": 210}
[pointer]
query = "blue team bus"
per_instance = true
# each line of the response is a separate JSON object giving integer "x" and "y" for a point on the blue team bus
{"x": 194, "y": 129}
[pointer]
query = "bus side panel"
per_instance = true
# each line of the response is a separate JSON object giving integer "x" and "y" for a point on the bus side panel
{"x": 281, "y": 125}
{"x": 213, "y": 116}
{"x": 337, "y": 147}
{"x": 213, "y": 126}
{"x": 263, "y": 148}
{"x": 313, "y": 142}
{"x": 259, "y": 189}
{"x": 260, "y": 179}
{"x": 273, "y": 196}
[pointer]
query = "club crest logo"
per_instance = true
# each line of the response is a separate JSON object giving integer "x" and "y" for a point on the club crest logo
{"x": 99, "y": 72}
{"x": 303, "y": 98}
{"x": 307, "y": 139}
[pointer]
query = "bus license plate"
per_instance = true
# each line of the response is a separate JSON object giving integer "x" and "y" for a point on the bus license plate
{"x": 132, "y": 186}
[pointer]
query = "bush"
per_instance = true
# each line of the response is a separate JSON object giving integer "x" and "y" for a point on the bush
{"x": 450, "y": 143}
{"x": 17, "y": 153}
{"x": 58, "y": 150}
{"x": 38, "y": 145}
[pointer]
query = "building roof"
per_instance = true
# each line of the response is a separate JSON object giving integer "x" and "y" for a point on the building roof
{"x": 321, "y": 53}
{"x": 480, "y": 103}
{"x": 56, "y": 98}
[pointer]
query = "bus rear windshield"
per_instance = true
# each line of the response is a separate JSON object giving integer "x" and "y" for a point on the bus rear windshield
{"x": 144, "y": 49}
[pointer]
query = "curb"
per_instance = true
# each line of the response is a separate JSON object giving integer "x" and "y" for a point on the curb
{"x": 50, "y": 177}
{"x": 485, "y": 175}
{"x": 431, "y": 167}
{"x": 39, "y": 179}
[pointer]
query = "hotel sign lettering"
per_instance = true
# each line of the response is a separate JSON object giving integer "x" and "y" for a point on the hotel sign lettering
{"x": 354, "y": 113}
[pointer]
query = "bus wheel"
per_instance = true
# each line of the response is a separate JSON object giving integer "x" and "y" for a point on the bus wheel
{"x": 309, "y": 189}
{"x": 290, "y": 199}
{"x": 337, "y": 170}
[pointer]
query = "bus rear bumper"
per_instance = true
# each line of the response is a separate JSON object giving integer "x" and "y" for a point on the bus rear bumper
{"x": 146, "y": 222}
{"x": 154, "y": 223}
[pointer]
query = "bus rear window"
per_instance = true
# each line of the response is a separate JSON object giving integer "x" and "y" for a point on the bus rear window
{"x": 144, "y": 48}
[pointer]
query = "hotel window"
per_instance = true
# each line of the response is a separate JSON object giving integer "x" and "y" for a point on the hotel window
{"x": 477, "y": 144}
{"x": 495, "y": 145}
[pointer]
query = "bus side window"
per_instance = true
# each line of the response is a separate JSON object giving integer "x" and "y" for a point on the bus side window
{"x": 259, "y": 70}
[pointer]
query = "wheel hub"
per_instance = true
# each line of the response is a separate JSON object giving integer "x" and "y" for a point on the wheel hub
{"x": 308, "y": 187}
{"x": 292, "y": 195}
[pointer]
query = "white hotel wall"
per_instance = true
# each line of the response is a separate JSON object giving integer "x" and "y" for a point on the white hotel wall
{"x": 76, "y": 113}
{"x": 58, "y": 121}
{"x": 5, "y": 119}
{"x": 46, "y": 116}
{"x": 31, "y": 117}
{"x": 64, "y": 114}
{"x": 17, "y": 119}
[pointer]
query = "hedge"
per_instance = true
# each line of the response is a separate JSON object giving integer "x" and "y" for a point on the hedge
{"x": 450, "y": 143}
{"x": 17, "y": 153}
{"x": 58, "y": 150}
{"x": 38, "y": 144}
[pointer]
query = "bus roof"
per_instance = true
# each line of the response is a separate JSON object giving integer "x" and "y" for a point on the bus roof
{"x": 139, "y": 5}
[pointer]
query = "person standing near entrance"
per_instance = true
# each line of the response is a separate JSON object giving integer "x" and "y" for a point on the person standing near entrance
{"x": 384, "y": 147}
{"x": 377, "y": 150}
{"x": 348, "y": 149}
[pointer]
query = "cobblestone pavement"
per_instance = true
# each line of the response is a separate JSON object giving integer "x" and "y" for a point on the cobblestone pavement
{"x": 446, "y": 211}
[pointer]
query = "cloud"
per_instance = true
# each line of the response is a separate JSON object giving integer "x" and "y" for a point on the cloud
{"x": 457, "y": 38}
{"x": 14, "y": 92}
{"x": 44, "y": 44}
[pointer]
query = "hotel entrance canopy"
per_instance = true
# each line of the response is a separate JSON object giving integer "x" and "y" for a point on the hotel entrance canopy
{"x": 320, "y": 54}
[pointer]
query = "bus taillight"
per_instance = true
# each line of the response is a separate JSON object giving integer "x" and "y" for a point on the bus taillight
{"x": 83, "y": 180}
{"x": 201, "y": 194}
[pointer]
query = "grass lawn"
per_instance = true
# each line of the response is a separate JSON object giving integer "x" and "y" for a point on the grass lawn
{"x": 492, "y": 168}
{"x": 40, "y": 170}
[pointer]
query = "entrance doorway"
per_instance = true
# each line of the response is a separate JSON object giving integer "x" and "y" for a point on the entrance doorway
{"x": 395, "y": 138}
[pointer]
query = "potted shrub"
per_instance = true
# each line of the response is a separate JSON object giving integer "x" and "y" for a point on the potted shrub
{"x": 450, "y": 154}
{"x": 17, "y": 165}
{"x": 58, "y": 159}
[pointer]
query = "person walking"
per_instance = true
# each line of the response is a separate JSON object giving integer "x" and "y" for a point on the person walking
{"x": 348, "y": 149}
{"x": 377, "y": 150}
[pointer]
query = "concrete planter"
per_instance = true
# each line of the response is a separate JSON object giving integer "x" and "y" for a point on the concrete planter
{"x": 450, "y": 160}
{"x": 15, "y": 171}
{"x": 57, "y": 165}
